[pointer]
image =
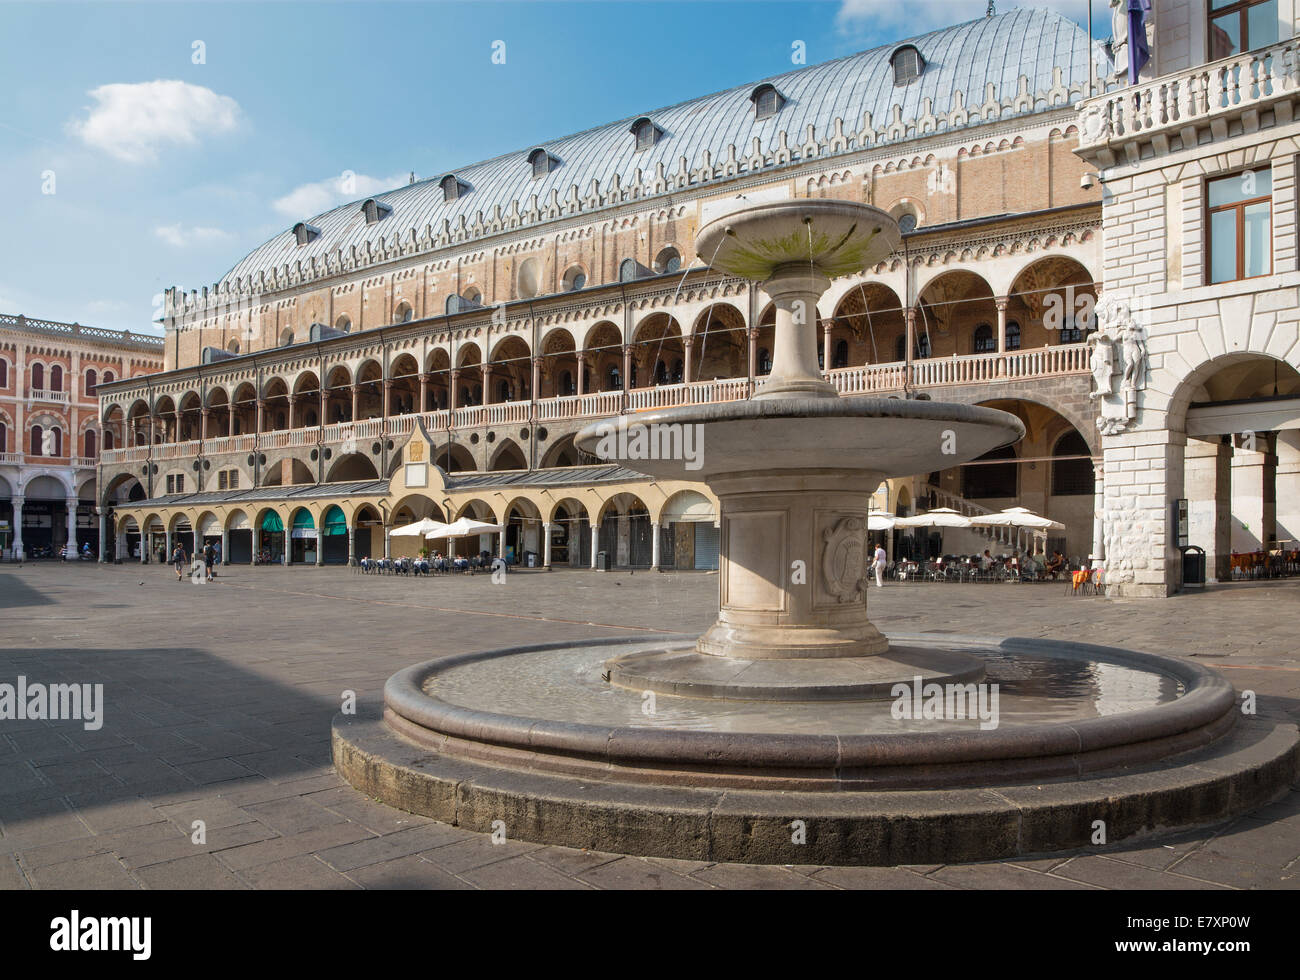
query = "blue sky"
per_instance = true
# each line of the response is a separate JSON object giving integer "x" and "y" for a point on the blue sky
{"x": 165, "y": 172}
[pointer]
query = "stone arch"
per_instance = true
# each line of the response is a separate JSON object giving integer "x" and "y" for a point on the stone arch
{"x": 352, "y": 468}
{"x": 508, "y": 456}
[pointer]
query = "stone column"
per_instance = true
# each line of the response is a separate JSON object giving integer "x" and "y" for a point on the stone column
{"x": 424, "y": 392}
{"x": 1002, "y": 302}
{"x": 261, "y": 412}
{"x": 828, "y": 328}
{"x": 257, "y": 544}
{"x": 1141, "y": 554}
{"x": 204, "y": 414}
{"x": 688, "y": 355}
{"x": 292, "y": 399}
{"x": 356, "y": 392}
{"x": 452, "y": 393}
{"x": 225, "y": 546}
{"x": 595, "y": 542}
{"x": 230, "y": 420}
{"x": 1098, "y": 555}
{"x": 1252, "y": 489}
{"x": 627, "y": 368}
{"x": 546, "y": 544}
{"x": 909, "y": 347}
{"x": 320, "y": 547}
{"x": 167, "y": 539}
{"x": 654, "y": 545}
{"x": 1208, "y": 487}
{"x": 1287, "y": 487}
{"x": 501, "y": 542}
{"x": 535, "y": 386}
{"x": 751, "y": 336}
{"x": 352, "y": 546}
{"x": 198, "y": 541}
{"x": 103, "y": 536}
{"x": 71, "y": 504}
{"x": 582, "y": 375}
{"x": 17, "y": 502}
{"x": 388, "y": 390}
{"x": 387, "y": 541}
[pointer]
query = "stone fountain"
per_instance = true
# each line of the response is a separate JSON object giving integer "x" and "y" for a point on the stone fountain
{"x": 793, "y": 709}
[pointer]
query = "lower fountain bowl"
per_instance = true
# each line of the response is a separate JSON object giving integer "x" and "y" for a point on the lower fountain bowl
{"x": 1143, "y": 743}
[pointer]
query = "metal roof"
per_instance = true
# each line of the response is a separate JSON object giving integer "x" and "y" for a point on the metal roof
{"x": 557, "y": 477}
{"x": 967, "y": 58}
{"x": 308, "y": 491}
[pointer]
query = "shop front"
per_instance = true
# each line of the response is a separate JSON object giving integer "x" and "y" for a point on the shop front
{"x": 303, "y": 537}
{"x": 334, "y": 537}
{"x": 272, "y": 543}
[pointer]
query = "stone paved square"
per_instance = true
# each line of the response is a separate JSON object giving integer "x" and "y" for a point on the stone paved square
{"x": 219, "y": 698}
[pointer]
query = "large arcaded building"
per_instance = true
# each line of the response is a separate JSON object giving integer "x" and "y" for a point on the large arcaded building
{"x": 432, "y": 351}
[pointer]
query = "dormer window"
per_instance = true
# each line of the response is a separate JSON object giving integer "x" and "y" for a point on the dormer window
{"x": 908, "y": 65}
{"x": 305, "y": 233}
{"x": 647, "y": 133}
{"x": 767, "y": 101}
{"x": 375, "y": 211}
{"x": 542, "y": 162}
{"x": 452, "y": 187}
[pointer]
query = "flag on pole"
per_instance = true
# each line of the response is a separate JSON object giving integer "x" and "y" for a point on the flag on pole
{"x": 1138, "y": 52}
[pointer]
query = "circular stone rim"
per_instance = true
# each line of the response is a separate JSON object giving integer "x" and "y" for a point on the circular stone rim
{"x": 1208, "y": 697}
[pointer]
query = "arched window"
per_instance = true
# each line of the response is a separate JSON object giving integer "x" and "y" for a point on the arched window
{"x": 840, "y": 359}
{"x": 473, "y": 297}
{"x": 453, "y": 303}
{"x": 1013, "y": 335}
{"x": 669, "y": 260}
{"x": 767, "y": 101}
{"x": 108, "y": 378}
{"x": 574, "y": 278}
{"x": 38, "y": 439}
{"x": 646, "y": 133}
{"x": 764, "y": 361}
{"x": 233, "y": 346}
{"x": 38, "y": 377}
{"x": 452, "y": 188}
{"x": 984, "y": 480}
{"x": 907, "y": 222}
{"x": 108, "y": 438}
{"x": 627, "y": 270}
{"x": 343, "y": 323}
{"x": 375, "y": 211}
{"x": 984, "y": 341}
{"x": 56, "y": 378}
{"x": 89, "y": 444}
{"x": 91, "y": 378}
{"x": 1072, "y": 477}
{"x": 304, "y": 233}
{"x": 908, "y": 65}
{"x": 4, "y": 373}
{"x": 4, "y": 438}
{"x": 542, "y": 163}
{"x": 403, "y": 313}
{"x": 286, "y": 337}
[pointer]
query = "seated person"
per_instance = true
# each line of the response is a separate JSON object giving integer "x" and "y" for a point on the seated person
{"x": 1056, "y": 564}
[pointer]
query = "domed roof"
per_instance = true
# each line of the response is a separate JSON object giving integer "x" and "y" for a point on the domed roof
{"x": 965, "y": 58}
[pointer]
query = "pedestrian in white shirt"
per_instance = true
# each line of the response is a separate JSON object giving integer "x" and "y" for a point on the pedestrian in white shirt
{"x": 879, "y": 565}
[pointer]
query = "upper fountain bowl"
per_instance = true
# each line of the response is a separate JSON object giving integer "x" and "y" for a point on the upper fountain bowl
{"x": 836, "y": 238}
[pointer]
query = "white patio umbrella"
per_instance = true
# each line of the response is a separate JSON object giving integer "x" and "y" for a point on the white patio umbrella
{"x": 879, "y": 520}
{"x": 420, "y": 528}
{"x": 463, "y": 528}
{"x": 938, "y": 517}
{"x": 1016, "y": 517}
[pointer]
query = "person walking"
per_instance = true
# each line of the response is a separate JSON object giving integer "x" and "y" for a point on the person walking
{"x": 209, "y": 556}
{"x": 178, "y": 560}
{"x": 879, "y": 565}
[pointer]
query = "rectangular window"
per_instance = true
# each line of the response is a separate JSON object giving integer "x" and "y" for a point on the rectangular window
{"x": 1240, "y": 225}
{"x": 1241, "y": 25}
{"x": 221, "y": 480}
{"x": 234, "y": 479}
{"x": 171, "y": 484}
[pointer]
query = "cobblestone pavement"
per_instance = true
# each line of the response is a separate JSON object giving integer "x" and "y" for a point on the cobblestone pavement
{"x": 219, "y": 700}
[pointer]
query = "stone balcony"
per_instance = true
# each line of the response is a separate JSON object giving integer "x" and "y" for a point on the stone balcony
{"x": 1243, "y": 93}
{"x": 875, "y": 380}
{"x": 54, "y": 397}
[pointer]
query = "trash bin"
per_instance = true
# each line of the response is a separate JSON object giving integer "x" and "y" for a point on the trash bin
{"x": 603, "y": 563}
{"x": 1193, "y": 565}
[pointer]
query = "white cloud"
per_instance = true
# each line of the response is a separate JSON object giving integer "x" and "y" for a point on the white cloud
{"x": 179, "y": 236}
{"x": 899, "y": 20}
{"x": 133, "y": 121}
{"x": 309, "y": 199}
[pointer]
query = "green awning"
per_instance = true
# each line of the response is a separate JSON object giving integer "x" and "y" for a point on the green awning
{"x": 303, "y": 518}
{"x": 271, "y": 522}
{"x": 335, "y": 522}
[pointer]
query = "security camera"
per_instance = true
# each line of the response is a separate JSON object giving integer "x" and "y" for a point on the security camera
{"x": 1088, "y": 181}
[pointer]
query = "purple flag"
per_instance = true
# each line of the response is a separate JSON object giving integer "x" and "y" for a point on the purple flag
{"x": 1138, "y": 53}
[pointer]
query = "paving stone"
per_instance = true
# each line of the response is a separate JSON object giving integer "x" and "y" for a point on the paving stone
{"x": 102, "y": 871}
{"x": 282, "y": 848}
{"x": 476, "y": 851}
{"x": 374, "y": 850}
{"x": 1109, "y": 873}
{"x": 756, "y": 876}
{"x": 998, "y": 875}
{"x": 11, "y": 875}
{"x": 196, "y": 871}
{"x": 407, "y": 872}
{"x": 631, "y": 872}
{"x": 521, "y": 872}
{"x": 303, "y": 871}
{"x": 893, "y": 879}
